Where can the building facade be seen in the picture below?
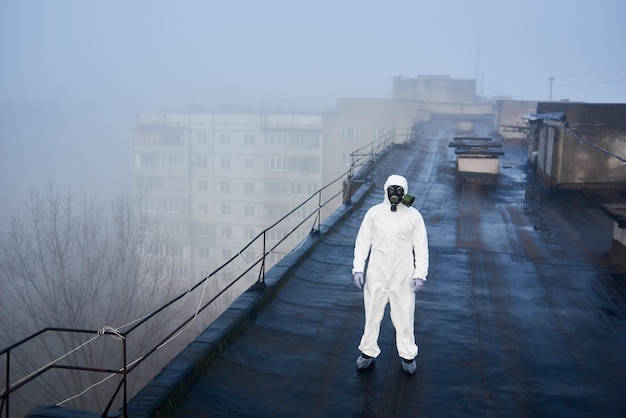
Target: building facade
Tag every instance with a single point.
(577, 144)
(215, 180)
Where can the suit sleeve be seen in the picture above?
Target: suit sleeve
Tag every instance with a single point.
(363, 243)
(420, 249)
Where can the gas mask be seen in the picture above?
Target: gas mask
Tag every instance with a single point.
(396, 195)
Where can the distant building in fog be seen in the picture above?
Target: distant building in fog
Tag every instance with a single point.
(216, 178)
(509, 117)
(427, 104)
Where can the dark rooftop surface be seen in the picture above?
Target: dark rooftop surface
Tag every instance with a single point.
(523, 313)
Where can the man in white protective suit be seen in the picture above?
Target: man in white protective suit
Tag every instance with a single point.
(393, 236)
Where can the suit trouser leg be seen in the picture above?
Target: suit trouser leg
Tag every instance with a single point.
(402, 311)
(374, 303)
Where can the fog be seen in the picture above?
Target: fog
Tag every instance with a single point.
(75, 73)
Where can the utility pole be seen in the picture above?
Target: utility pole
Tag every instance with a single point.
(477, 60)
(482, 83)
(551, 79)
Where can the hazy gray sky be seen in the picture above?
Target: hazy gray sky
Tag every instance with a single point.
(74, 73)
(282, 52)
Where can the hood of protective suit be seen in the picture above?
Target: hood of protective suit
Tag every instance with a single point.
(395, 180)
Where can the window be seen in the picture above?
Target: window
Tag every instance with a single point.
(225, 209)
(173, 184)
(303, 212)
(202, 138)
(276, 188)
(304, 165)
(175, 250)
(305, 140)
(379, 132)
(225, 163)
(147, 137)
(202, 162)
(276, 139)
(227, 232)
(248, 187)
(249, 163)
(249, 210)
(273, 258)
(175, 229)
(303, 189)
(204, 252)
(204, 230)
(279, 163)
(225, 187)
(250, 233)
(150, 160)
(172, 160)
(203, 208)
(224, 139)
(164, 205)
(350, 134)
(147, 183)
(276, 234)
(176, 206)
(203, 185)
(248, 140)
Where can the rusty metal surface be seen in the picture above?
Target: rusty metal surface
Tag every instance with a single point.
(523, 313)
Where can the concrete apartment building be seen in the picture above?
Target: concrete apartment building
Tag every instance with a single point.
(582, 146)
(433, 102)
(422, 105)
(216, 178)
(573, 145)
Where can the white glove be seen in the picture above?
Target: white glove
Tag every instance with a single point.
(417, 285)
(358, 279)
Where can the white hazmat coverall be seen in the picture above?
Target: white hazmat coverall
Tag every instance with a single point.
(397, 245)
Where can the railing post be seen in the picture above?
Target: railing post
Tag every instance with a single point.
(7, 383)
(347, 191)
(262, 276)
(124, 376)
(319, 211)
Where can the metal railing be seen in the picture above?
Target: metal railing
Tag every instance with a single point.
(363, 160)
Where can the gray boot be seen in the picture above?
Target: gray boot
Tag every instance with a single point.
(364, 362)
(409, 366)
